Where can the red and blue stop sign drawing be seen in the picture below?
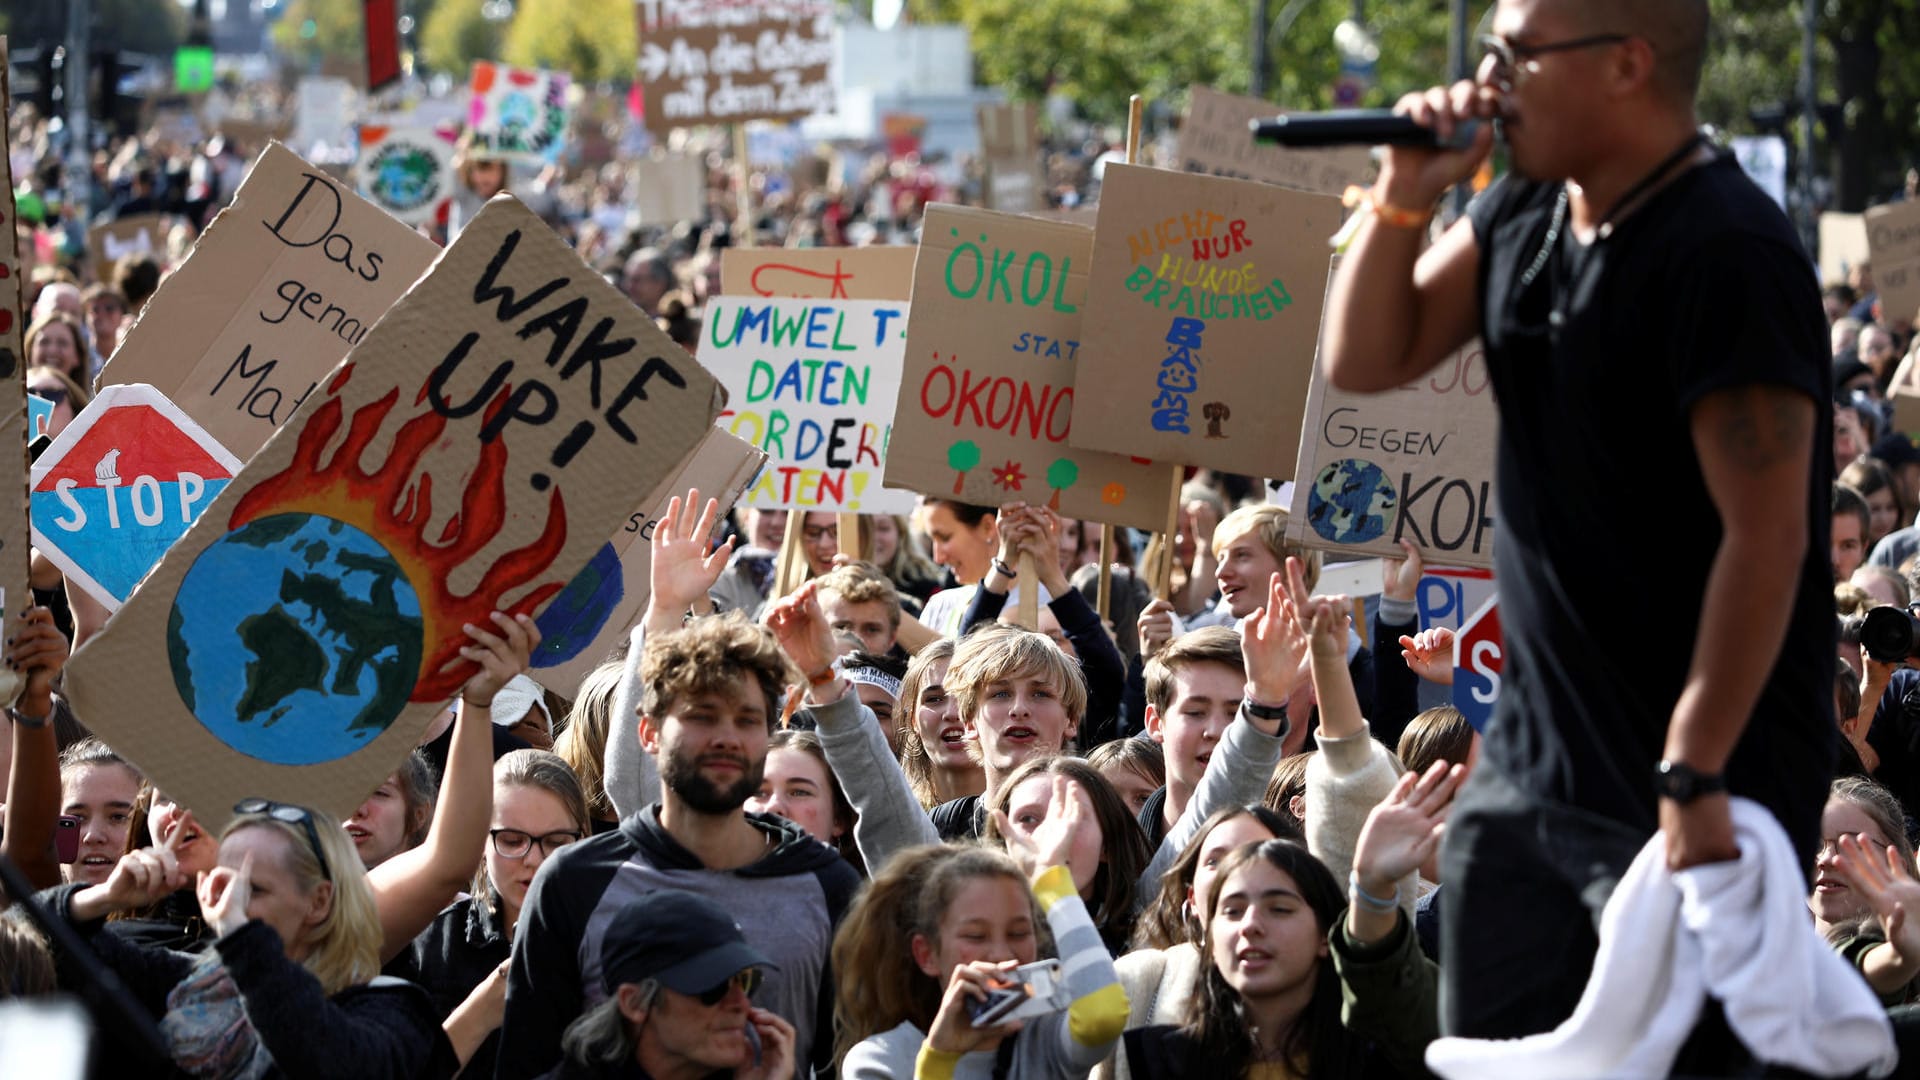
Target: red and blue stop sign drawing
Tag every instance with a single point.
(120, 485)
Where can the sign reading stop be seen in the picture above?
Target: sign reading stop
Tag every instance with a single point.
(1479, 655)
(119, 485)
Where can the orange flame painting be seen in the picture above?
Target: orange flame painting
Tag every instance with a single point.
(394, 506)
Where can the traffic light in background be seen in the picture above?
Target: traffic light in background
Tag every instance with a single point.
(117, 111)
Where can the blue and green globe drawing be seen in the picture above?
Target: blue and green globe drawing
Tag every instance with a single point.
(296, 639)
(1352, 502)
(581, 611)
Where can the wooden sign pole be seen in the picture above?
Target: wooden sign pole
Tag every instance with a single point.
(1103, 595)
(1028, 609)
(848, 527)
(791, 568)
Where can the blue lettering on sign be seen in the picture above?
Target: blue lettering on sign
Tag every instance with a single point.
(1179, 376)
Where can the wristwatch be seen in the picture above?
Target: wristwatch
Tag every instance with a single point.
(1683, 784)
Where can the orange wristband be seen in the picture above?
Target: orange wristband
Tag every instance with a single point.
(1398, 217)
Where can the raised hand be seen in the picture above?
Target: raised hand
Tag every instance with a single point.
(1887, 884)
(800, 626)
(1429, 654)
(1069, 808)
(683, 570)
(500, 655)
(225, 892)
(1404, 830)
(140, 878)
(1039, 539)
(39, 651)
(1155, 627)
(1401, 577)
(1275, 647)
(1324, 618)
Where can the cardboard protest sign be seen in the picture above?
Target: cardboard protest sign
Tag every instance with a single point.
(1893, 236)
(470, 455)
(120, 485)
(129, 237)
(15, 594)
(1215, 140)
(670, 187)
(1906, 409)
(707, 63)
(1843, 245)
(1413, 463)
(517, 113)
(1010, 149)
(599, 607)
(1203, 314)
(405, 170)
(812, 383)
(280, 285)
(987, 403)
(868, 273)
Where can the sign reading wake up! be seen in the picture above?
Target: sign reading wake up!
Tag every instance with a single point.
(469, 456)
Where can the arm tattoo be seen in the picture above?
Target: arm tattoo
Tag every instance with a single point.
(1760, 426)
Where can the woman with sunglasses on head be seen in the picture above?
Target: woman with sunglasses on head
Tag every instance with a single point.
(461, 960)
(290, 986)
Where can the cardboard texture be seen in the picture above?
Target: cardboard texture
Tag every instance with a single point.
(987, 403)
(1906, 411)
(1010, 148)
(1843, 245)
(15, 431)
(868, 273)
(1893, 236)
(670, 188)
(120, 485)
(812, 383)
(721, 467)
(1415, 463)
(141, 234)
(472, 454)
(280, 285)
(707, 63)
(1203, 314)
(517, 113)
(1215, 140)
(405, 170)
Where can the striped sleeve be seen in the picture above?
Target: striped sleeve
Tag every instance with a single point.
(1099, 1011)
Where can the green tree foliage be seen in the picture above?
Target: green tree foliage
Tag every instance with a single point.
(595, 40)
(454, 34)
(312, 31)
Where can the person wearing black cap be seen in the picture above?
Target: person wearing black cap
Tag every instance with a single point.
(679, 978)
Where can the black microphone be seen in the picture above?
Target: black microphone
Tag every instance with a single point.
(1359, 127)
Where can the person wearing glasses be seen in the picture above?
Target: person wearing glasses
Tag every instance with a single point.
(1651, 323)
(291, 986)
(679, 979)
(461, 960)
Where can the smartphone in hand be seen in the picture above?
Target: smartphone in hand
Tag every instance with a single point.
(1027, 991)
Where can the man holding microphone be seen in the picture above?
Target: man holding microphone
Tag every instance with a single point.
(1654, 333)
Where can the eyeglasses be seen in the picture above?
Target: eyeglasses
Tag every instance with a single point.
(291, 815)
(1512, 62)
(514, 844)
(55, 394)
(747, 979)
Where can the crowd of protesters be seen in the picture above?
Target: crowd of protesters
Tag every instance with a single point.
(873, 826)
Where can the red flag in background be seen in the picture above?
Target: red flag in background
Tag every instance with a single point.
(383, 42)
